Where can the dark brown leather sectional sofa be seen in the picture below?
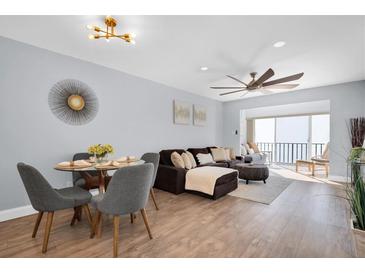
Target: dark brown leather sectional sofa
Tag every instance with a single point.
(172, 179)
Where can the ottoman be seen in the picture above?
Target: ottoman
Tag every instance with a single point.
(253, 172)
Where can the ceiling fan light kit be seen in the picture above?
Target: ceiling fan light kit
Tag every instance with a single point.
(261, 83)
(110, 23)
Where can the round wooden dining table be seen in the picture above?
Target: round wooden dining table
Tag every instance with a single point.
(101, 170)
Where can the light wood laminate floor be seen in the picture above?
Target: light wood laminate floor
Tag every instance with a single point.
(306, 220)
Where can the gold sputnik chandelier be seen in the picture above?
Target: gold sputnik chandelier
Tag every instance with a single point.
(110, 23)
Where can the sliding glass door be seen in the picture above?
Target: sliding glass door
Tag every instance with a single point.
(292, 137)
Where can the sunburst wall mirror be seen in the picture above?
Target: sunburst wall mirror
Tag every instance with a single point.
(73, 102)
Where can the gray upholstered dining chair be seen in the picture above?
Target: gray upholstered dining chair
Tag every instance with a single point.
(153, 158)
(91, 175)
(77, 179)
(127, 193)
(92, 182)
(44, 198)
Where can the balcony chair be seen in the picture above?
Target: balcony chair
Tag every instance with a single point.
(321, 160)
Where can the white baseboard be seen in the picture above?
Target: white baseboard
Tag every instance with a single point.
(17, 212)
(340, 179)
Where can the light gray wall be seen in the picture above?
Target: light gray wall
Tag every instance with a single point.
(135, 116)
(346, 101)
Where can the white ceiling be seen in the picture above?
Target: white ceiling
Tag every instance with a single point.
(171, 49)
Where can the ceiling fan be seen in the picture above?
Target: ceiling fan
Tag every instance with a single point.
(261, 83)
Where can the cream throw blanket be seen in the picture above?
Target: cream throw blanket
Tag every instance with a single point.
(203, 179)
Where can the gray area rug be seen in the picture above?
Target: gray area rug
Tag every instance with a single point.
(259, 192)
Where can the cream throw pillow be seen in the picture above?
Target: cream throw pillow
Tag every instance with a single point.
(228, 153)
(254, 147)
(186, 159)
(204, 158)
(177, 160)
(192, 160)
(232, 154)
(219, 154)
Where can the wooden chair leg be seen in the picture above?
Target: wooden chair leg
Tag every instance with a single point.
(47, 231)
(152, 193)
(88, 214)
(39, 218)
(296, 166)
(95, 223)
(313, 168)
(100, 227)
(144, 215)
(74, 217)
(79, 213)
(132, 218)
(116, 235)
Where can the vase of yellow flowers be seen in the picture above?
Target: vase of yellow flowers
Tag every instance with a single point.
(100, 151)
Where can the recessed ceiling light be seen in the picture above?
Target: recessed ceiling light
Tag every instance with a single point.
(279, 44)
(204, 68)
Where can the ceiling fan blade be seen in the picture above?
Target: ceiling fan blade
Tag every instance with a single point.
(265, 91)
(283, 80)
(267, 75)
(282, 86)
(226, 87)
(245, 93)
(230, 92)
(238, 80)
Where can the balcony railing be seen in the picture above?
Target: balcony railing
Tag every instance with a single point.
(288, 153)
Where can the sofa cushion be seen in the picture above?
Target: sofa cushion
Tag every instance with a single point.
(258, 158)
(233, 163)
(227, 151)
(251, 151)
(243, 150)
(220, 164)
(254, 147)
(210, 149)
(204, 158)
(187, 161)
(177, 160)
(165, 156)
(195, 151)
(219, 154)
(192, 159)
(232, 153)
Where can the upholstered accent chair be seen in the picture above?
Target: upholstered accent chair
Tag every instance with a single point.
(44, 198)
(127, 193)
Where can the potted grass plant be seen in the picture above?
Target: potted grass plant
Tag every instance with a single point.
(356, 190)
(356, 197)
